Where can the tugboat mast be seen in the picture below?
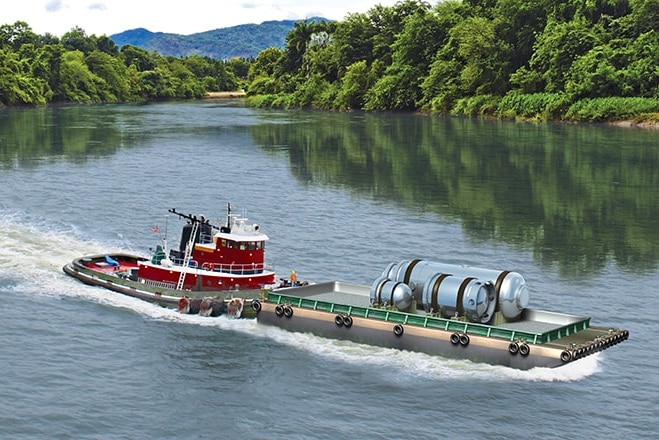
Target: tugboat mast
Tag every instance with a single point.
(228, 217)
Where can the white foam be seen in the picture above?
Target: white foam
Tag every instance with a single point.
(413, 364)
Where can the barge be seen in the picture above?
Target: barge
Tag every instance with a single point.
(440, 309)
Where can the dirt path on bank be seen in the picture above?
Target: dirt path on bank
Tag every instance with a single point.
(224, 95)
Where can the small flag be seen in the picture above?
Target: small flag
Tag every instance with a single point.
(155, 229)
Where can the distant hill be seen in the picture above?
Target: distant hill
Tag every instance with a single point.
(242, 41)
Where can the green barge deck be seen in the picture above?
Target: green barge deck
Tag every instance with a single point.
(534, 327)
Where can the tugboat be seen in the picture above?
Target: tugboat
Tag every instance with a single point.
(440, 309)
(211, 271)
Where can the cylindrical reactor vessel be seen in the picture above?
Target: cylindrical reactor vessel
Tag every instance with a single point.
(454, 296)
(510, 289)
(386, 292)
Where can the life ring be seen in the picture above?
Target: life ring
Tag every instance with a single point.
(455, 338)
(566, 356)
(513, 348)
(347, 321)
(206, 307)
(398, 330)
(524, 349)
(338, 320)
(464, 339)
(279, 310)
(184, 305)
(208, 266)
(288, 311)
(235, 308)
(256, 305)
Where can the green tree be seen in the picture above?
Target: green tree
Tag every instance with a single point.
(485, 57)
(640, 75)
(17, 84)
(389, 22)
(266, 64)
(320, 57)
(105, 44)
(354, 85)
(140, 58)
(16, 35)
(78, 83)
(297, 41)
(239, 67)
(354, 40)
(47, 67)
(77, 39)
(642, 18)
(519, 22)
(183, 83)
(593, 75)
(440, 86)
(413, 51)
(113, 73)
(559, 45)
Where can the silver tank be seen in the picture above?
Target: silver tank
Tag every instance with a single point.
(387, 292)
(454, 296)
(510, 289)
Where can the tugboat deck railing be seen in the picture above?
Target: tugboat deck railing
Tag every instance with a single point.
(231, 268)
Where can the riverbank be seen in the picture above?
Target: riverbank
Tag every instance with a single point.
(637, 123)
(225, 95)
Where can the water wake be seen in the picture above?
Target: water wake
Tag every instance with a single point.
(421, 365)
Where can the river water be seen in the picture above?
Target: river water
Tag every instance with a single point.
(572, 208)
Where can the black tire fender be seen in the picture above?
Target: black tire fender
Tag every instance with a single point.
(347, 321)
(524, 349)
(464, 339)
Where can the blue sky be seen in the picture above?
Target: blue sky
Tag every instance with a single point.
(172, 16)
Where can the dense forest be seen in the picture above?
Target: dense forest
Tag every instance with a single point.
(580, 60)
(547, 59)
(40, 69)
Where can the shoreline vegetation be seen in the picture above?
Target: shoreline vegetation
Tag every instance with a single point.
(526, 60)
(530, 60)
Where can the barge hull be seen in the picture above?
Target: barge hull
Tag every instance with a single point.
(413, 338)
